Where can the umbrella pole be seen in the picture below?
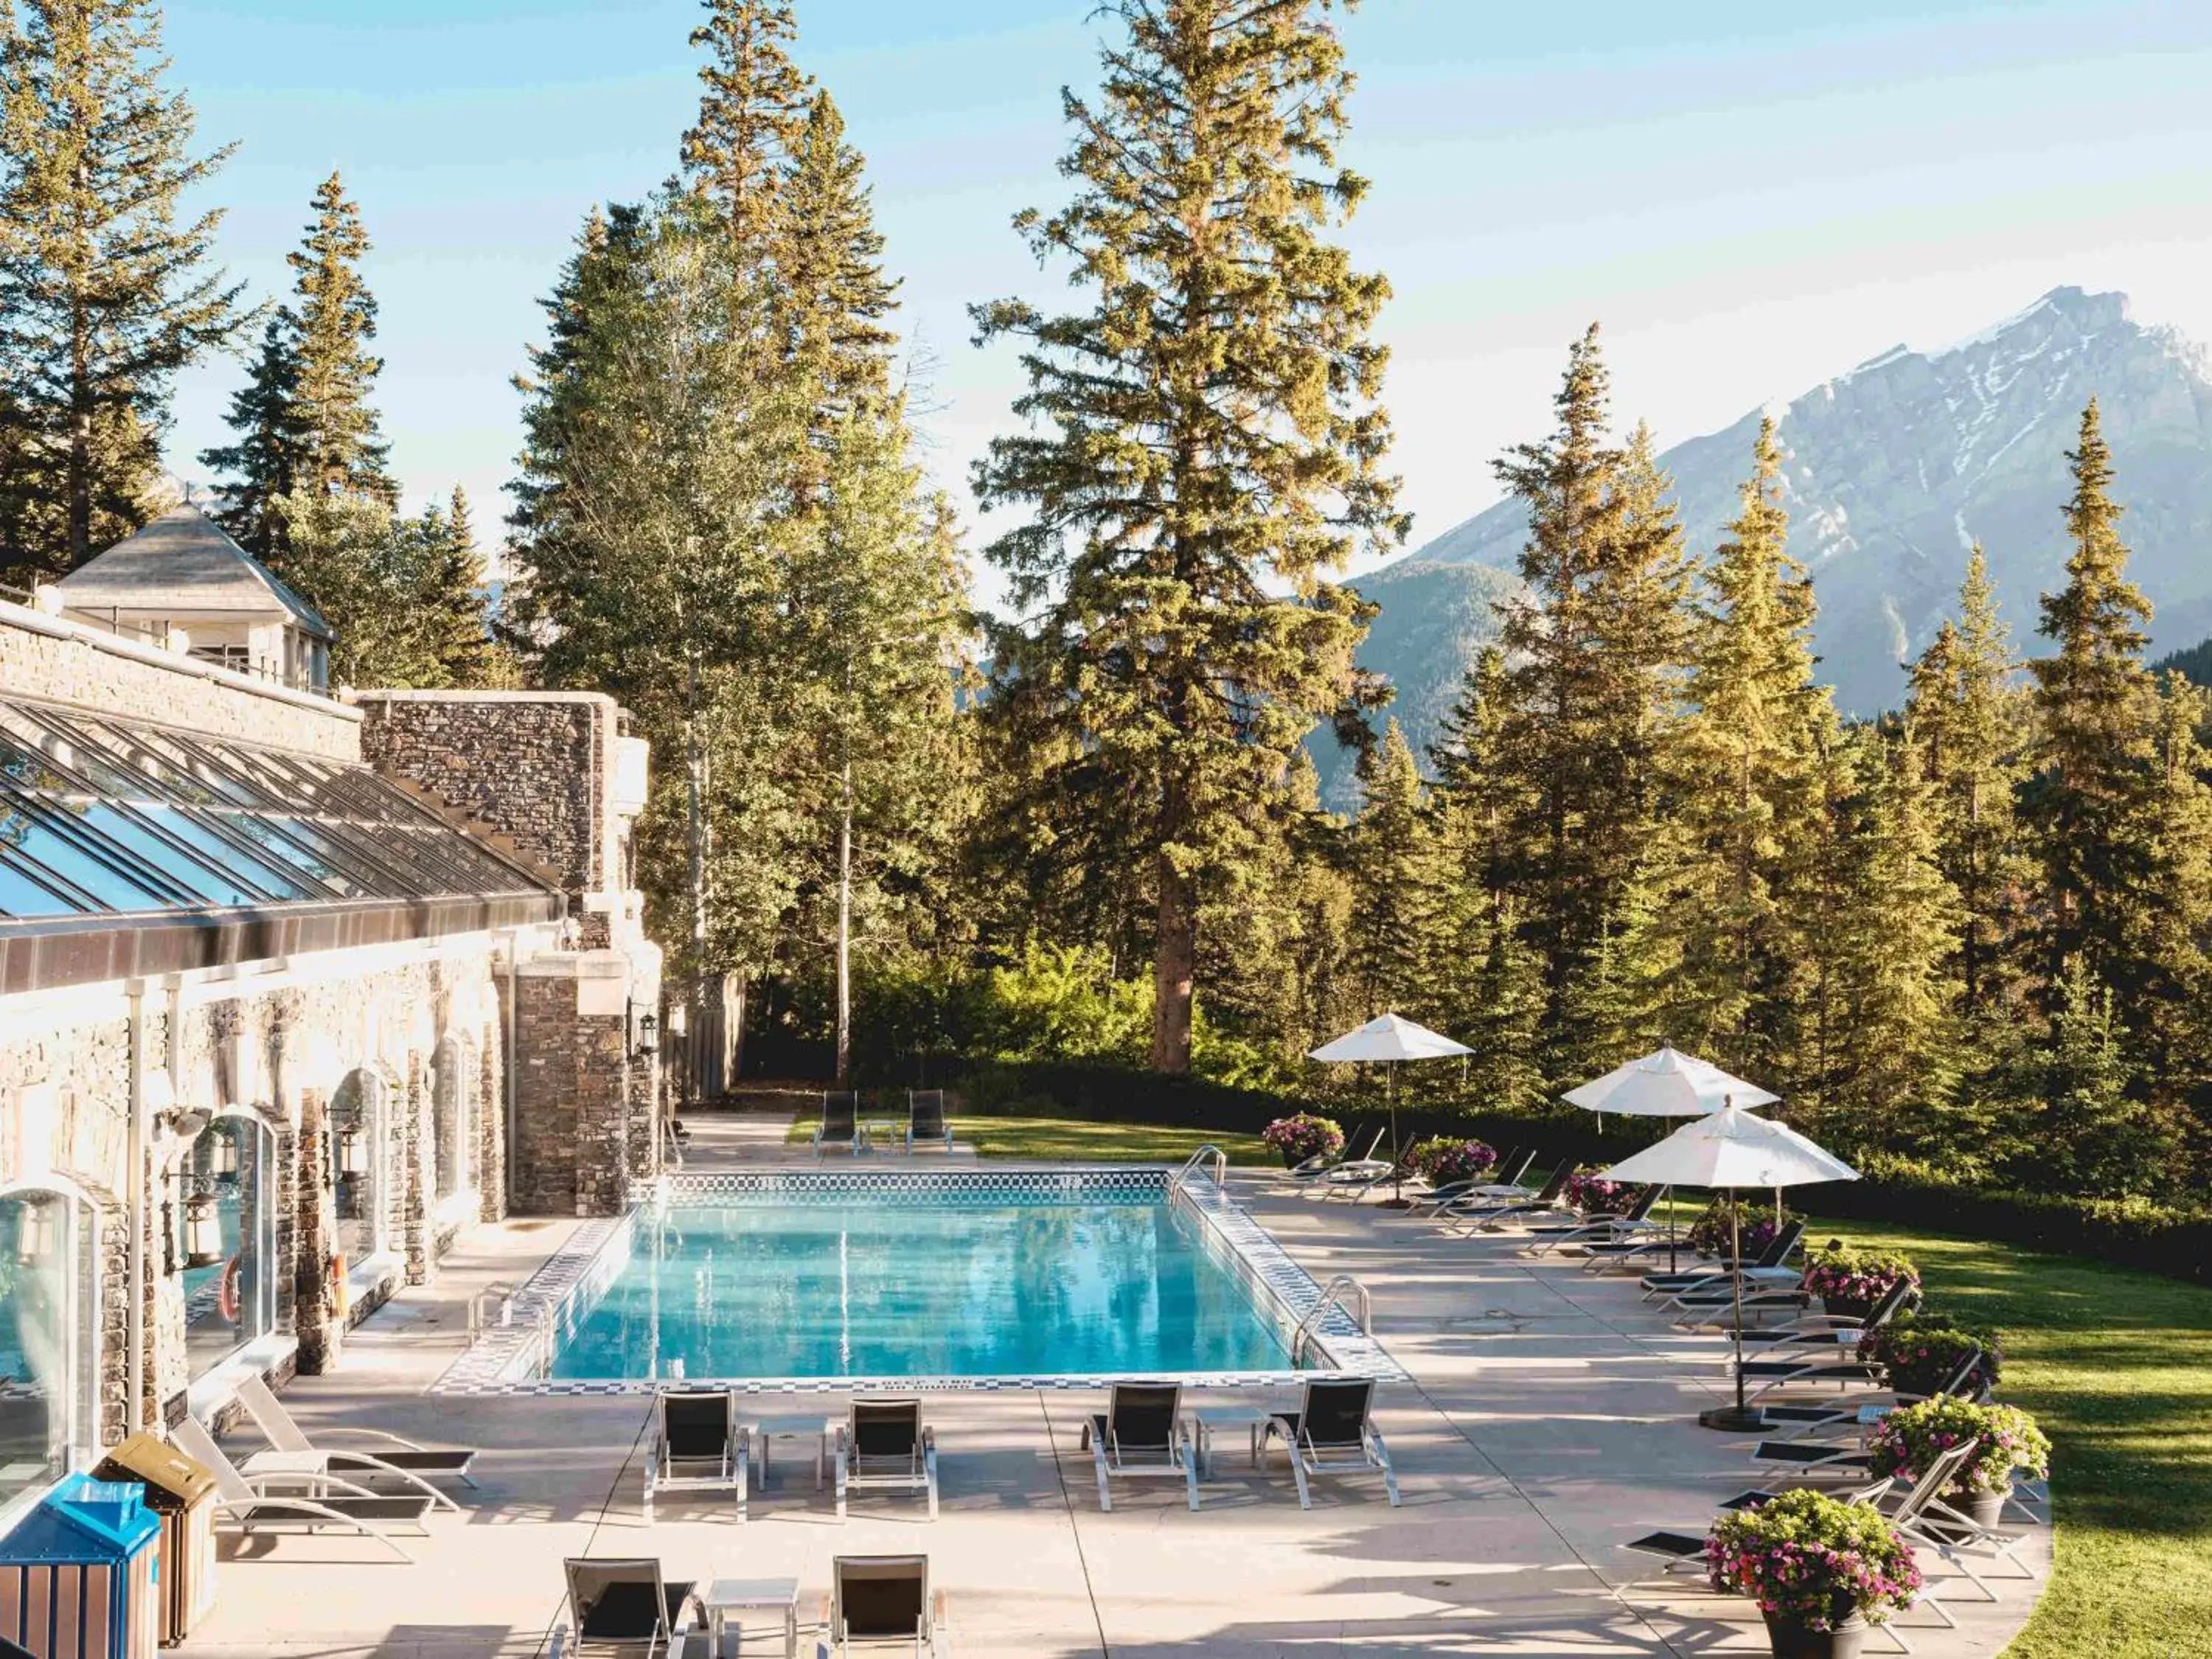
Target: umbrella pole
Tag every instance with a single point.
(1397, 1160)
(1743, 1416)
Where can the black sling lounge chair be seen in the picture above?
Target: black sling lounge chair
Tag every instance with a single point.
(841, 1122)
(622, 1609)
(884, 1445)
(1140, 1434)
(1334, 1432)
(926, 1122)
(698, 1446)
(884, 1602)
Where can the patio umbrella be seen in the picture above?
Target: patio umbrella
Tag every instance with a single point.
(1734, 1151)
(1388, 1039)
(1666, 1083)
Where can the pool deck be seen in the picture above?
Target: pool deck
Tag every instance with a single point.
(1551, 1418)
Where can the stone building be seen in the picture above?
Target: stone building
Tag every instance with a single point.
(292, 990)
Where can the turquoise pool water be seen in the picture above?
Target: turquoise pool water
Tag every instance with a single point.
(849, 1285)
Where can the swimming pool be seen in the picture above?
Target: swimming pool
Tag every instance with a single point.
(795, 1280)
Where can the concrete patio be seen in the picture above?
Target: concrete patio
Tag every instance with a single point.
(1551, 1418)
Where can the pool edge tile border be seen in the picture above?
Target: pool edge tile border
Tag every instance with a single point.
(500, 1361)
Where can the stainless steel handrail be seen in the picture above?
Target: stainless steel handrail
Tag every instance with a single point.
(1361, 1312)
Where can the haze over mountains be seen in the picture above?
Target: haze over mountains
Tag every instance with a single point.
(1894, 468)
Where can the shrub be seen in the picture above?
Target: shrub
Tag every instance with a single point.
(1709, 1233)
(1807, 1558)
(1842, 1276)
(1302, 1135)
(1911, 1438)
(1922, 1350)
(1444, 1158)
(1592, 1194)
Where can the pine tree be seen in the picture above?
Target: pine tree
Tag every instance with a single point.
(1210, 445)
(836, 296)
(104, 295)
(2094, 766)
(752, 119)
(1592, 646)
(2096, 1137)
(333, 373)
(1965, 721)
(1393, 901)
(449, 598)
(270, 458)
(1747, 787)
(2169, 1016)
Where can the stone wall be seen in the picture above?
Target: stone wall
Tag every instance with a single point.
(57, 660)
(583, 1102)
(534, 765)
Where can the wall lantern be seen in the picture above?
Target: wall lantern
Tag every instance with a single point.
(202, 1232)
(222, 1153)
(38, 1231)
(648, 1035)
(349, 1161)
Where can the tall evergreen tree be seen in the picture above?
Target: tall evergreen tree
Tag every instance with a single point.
(837, 297)
(1211, 445)
(334, 374)
(1390, 857)
(2094, 760)
(270, 458)
(752, 117)
(103, 295)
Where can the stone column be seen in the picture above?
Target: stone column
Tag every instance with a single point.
(417, 1184)
(317, 1295)
(572, 1152)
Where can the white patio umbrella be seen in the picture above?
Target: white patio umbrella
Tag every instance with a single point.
(1388, 1039)
(1667, 1083)
(1733, 1152)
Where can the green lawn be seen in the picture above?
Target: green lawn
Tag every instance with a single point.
(2116, 1366)
(1051, 1138)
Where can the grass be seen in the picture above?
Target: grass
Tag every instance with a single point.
(1052, 1139)
(2116, 1365)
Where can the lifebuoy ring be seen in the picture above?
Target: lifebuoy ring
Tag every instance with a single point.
(226, 1296)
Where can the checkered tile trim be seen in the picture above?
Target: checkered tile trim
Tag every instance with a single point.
(513, 1358)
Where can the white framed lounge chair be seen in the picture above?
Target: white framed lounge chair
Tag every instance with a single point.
(395, 1461)
(840, 1127)
(1578, 1234)
(926, 1122)
(698, 1445)
(884, 1445)
(883, 1603)
(622, 1608)
(1140, 1434)
(1333, 1432)
(339, 1504)
(1323, 1165)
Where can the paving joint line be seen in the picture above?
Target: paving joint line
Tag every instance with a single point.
(1074, 1527)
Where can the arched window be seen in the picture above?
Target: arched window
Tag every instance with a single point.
(449, 1113)
(49, 1335)
(359, 1159)
(225, 1237)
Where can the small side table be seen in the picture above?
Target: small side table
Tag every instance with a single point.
(724, 1596)
(1212, 1420)
(892, 1129)
(310, 1469)
(790, 1427)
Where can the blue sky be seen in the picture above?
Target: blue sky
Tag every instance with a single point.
(1750, 198)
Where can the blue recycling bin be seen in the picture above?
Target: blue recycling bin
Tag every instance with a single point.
(78, 1574)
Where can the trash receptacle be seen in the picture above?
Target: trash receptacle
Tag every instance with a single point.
(182, 1493)
(79, 1574)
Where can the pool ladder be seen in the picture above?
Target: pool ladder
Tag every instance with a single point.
(1333, 1294)
(1209, 1152)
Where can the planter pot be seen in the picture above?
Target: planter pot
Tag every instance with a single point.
(1291, 1159)
(1847, 1307)
(1790, 1640)
(1983, 1508)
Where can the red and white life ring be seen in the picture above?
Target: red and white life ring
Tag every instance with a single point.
(226, 1300)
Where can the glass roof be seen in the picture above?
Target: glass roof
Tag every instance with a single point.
(109, 816)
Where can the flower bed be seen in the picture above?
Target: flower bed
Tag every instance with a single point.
(1922, 1352)
(1302, 1135)
(1813, 1562)
(1709, 1233)
(1851, 1282)
(1443, 1160)
(1911, 1438)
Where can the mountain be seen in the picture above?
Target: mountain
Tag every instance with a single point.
(1894, 469)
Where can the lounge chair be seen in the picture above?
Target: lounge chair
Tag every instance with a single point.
(884, 1445)
(884, 1600)
(698, 1446)
(1770, 1266)
(1686, 1551)
(395, 1461)
(1854, 1410)
(622, 1609)
(1501, 1186)
(1546, 1208)
(1140, 1434)
(1957, 1537)
(926, 1122)
(247, 1505)
(1592, 1229)
(1333, 1432)
(1323, 1165)
(841, 1122)
(1834, 1333)
(1466, 1210)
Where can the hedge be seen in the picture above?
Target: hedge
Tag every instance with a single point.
(2174, 1243)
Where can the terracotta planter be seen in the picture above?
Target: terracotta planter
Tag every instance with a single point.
(1790, 1640)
